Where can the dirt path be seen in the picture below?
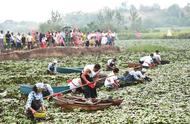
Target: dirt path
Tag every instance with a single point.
(56, 52)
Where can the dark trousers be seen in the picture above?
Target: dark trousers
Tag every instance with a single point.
(88, 91)
(36, 105)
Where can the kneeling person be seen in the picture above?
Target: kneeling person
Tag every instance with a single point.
(112, 81)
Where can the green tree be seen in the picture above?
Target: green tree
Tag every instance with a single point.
(175, 11)
(55, 23)
(136, 21)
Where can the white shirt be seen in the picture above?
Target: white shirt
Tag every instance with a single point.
(29, 38)
(144, 58)
(55, 67)
(104, 40)
(1, 36)
(110, 61)
(91, 68)
(137, 74)
(157, 57)
(147, 60)
(89, 36)
(19, 37)
(110, 80)
(75, 83)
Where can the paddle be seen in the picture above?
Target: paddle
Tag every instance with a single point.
(56, 94)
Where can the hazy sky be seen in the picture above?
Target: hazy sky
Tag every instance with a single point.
(39, 10)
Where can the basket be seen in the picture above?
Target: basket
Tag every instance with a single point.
(40, 114)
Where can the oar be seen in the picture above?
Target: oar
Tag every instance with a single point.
(55, 94)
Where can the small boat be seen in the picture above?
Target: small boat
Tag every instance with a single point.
(135, 65)
(71, 102)
(68, 70)
(26, 89)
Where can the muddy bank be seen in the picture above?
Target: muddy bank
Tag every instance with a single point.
(55, 52)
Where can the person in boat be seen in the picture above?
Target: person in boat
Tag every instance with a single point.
(90, 76)
(111, 64)
(146, 61)
(112, 81)
(136, 75)
(52, 67)
(35, 101)
(157, 57)
(75, 85)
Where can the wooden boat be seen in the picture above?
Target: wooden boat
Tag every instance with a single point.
(26, 89)
(135, 65)
(68, 70)
(70, 103)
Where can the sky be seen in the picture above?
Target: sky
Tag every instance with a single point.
(39, 10)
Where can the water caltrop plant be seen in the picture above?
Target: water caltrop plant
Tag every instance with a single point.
(164, 100)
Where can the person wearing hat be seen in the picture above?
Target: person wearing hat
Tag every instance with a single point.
(136, 75)
(35, 101)
(52, 67)
(111, 64)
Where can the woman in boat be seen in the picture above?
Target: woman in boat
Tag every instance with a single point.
(112, 81)
(35, 101)
(90, 76)
(52, 67)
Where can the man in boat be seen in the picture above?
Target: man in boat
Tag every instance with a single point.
(136, 75)
(35, 101)
(111, 64)
(75, 85)
(112, 81)
(147, 61)
(89, 78)
(156, 57)
(52, 67)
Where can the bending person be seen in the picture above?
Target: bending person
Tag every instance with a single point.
(35, 101)
(90, 76)
(112, 81)
(52, 67)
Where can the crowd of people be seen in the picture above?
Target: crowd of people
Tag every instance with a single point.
(10, 40)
